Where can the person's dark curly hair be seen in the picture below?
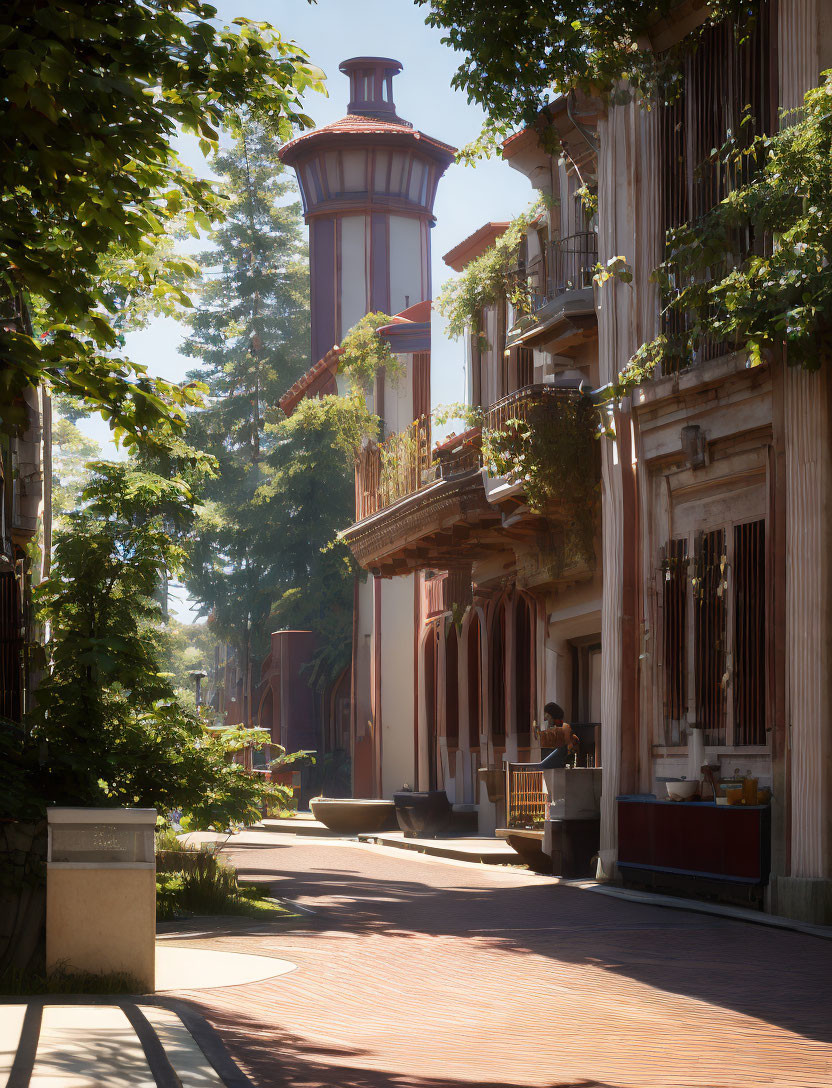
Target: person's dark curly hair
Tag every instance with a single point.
(555, 710)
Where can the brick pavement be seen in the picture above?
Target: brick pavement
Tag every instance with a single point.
(420, 973)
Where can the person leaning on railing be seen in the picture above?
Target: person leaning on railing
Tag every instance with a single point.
(555, 729)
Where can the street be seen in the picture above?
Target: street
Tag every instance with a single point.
(417, 972)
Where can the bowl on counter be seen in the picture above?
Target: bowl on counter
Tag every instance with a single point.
(682, 789)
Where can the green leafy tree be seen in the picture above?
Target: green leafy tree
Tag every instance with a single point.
(250, 332)
(519, 54)
(107, 718)
(309, 496)
(94, 96)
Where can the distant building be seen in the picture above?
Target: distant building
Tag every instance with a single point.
(368, 184)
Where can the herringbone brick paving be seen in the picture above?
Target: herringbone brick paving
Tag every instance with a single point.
(421, 973)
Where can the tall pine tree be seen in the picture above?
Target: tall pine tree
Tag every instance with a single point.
(250, 333)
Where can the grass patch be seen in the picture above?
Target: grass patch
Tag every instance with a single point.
(15, 983)
(199, 881)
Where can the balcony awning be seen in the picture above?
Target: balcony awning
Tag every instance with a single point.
(560, 325)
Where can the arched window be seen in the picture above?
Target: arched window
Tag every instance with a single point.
(452, 687)
(474, 682)
(523, 673)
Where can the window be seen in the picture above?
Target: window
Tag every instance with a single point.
(712, 668)
(728, 73)
(525, 367)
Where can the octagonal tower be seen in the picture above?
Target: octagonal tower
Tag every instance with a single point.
(368, 184)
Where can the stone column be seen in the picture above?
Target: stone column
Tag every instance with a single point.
(627, 315)
(807, 890)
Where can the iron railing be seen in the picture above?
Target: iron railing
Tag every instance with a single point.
(572, 262)
(523, 402)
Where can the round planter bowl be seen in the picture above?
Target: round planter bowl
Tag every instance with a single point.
(683, 790)
(424, 814)
(353, 815)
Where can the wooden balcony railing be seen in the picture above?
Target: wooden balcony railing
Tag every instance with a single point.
(404, 463)
(522, 403)
(388, 471)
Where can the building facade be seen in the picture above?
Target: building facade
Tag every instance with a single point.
(368, 184)
(698, 633)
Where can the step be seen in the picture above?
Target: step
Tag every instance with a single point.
(296, 825)
(475, 848)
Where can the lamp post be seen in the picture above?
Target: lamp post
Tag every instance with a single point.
(198, 676)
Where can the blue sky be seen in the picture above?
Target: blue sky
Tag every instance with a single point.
(331, 31)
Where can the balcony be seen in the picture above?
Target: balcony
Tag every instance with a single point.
(421, 509)
(572, 262)
(563, 319)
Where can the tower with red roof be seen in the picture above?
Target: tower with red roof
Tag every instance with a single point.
(368, 184)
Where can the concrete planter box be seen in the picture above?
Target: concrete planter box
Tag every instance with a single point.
(354, 815)
(528, 845)
(574, 793)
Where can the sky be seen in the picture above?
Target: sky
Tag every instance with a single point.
(331, 31)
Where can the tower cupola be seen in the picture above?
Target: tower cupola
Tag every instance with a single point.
(371, 86)
(368, 184)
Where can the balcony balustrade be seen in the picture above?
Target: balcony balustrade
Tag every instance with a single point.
(404, 463)
(390, 470)
(572, 262)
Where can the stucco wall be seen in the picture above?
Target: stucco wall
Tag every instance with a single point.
(102, 921)
(397, 683)
(407, 263)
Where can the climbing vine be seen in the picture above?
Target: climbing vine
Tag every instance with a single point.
(778, 296)
(554, 452)
(487, 279)
(365, 352)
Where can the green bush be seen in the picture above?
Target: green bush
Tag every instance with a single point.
(64, 981)
(198, 881)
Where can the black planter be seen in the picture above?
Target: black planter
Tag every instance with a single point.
(422, 815)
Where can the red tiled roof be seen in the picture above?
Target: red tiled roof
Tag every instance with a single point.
(474, 245)
(418, 313)
(355, 124)
(318, 380)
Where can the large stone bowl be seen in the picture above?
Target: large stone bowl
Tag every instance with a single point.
(422, 814)
(354, 815)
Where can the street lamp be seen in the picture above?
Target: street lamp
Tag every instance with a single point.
(198, 676)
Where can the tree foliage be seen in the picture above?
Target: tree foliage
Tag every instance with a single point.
(781, 292)
(519, 55)
(107, 723)
(250, 333)
(94, 95)
(310, 496)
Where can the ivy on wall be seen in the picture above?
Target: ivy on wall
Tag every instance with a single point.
(777, 298)
(554, 452)
(365, 352)
(488, 279)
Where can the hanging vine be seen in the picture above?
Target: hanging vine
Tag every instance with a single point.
(488, 279)
(780, 295)
(553, 451)
(365, 353)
